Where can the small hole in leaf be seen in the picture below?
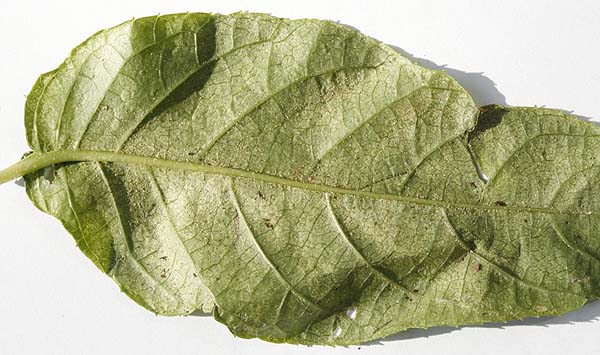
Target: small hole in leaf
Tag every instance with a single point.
(337, 332)
(351, 313)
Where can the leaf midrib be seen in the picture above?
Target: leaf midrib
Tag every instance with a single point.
(39, 161)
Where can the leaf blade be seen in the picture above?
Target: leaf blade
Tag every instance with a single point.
(362, 170)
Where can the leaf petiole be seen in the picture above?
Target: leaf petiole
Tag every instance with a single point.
(26, 166)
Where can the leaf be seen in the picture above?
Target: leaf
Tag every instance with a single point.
(307, 183)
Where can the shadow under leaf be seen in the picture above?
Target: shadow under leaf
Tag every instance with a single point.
(480, 87)
(590, 312)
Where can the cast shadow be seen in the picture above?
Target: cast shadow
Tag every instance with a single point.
(590, 312)
(480, 87)
(572, 113)
(200, 313)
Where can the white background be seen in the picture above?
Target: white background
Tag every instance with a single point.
(54, 301)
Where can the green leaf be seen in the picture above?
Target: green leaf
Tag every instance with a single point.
(309, 184)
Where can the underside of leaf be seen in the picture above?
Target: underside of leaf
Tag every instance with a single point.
(309, 184)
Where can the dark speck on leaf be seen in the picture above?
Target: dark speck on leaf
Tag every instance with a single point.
(268, 223)
(163, 258)
(261, 195)
(501, 203)
(477, 267)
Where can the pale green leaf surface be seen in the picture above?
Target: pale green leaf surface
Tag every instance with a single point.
(309, 184)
